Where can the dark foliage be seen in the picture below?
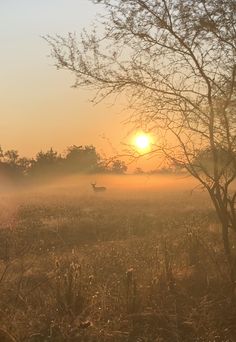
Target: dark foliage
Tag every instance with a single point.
(77, 159)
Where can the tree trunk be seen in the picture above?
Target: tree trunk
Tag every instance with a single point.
(229, 256)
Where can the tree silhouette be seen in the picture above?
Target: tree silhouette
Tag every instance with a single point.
(46, 164)
(11, 156)
(82, 159)
(176, 62)
(118, 166)
(10, 164)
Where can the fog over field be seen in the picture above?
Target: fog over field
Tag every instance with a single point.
(156, 190)
(86, 266)
(81, 184)
(117, 187)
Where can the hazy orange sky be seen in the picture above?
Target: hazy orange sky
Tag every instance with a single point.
(39, 109)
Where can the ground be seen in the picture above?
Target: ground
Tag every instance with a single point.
(125, 265)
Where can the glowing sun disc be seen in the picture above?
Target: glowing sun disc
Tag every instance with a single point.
(142, 141)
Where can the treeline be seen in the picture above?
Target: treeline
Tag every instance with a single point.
(76, 159)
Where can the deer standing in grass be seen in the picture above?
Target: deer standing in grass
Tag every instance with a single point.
(98, 188)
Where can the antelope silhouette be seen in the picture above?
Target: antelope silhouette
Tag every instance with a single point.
(98, 188)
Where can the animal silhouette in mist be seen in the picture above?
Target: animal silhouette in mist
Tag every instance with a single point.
(98, 188)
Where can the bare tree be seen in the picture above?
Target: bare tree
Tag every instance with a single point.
(175, 60)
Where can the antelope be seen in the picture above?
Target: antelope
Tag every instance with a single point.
(98, 188)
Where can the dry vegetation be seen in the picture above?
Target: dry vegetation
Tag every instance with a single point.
(122, 266)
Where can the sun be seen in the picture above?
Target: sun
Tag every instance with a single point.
(142, 141)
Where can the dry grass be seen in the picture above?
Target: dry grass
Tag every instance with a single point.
(111, 268)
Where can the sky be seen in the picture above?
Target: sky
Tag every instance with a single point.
(38, 107)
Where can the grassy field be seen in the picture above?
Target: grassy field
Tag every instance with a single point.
(142, 262)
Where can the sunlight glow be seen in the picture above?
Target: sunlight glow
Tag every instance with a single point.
(142, 141)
